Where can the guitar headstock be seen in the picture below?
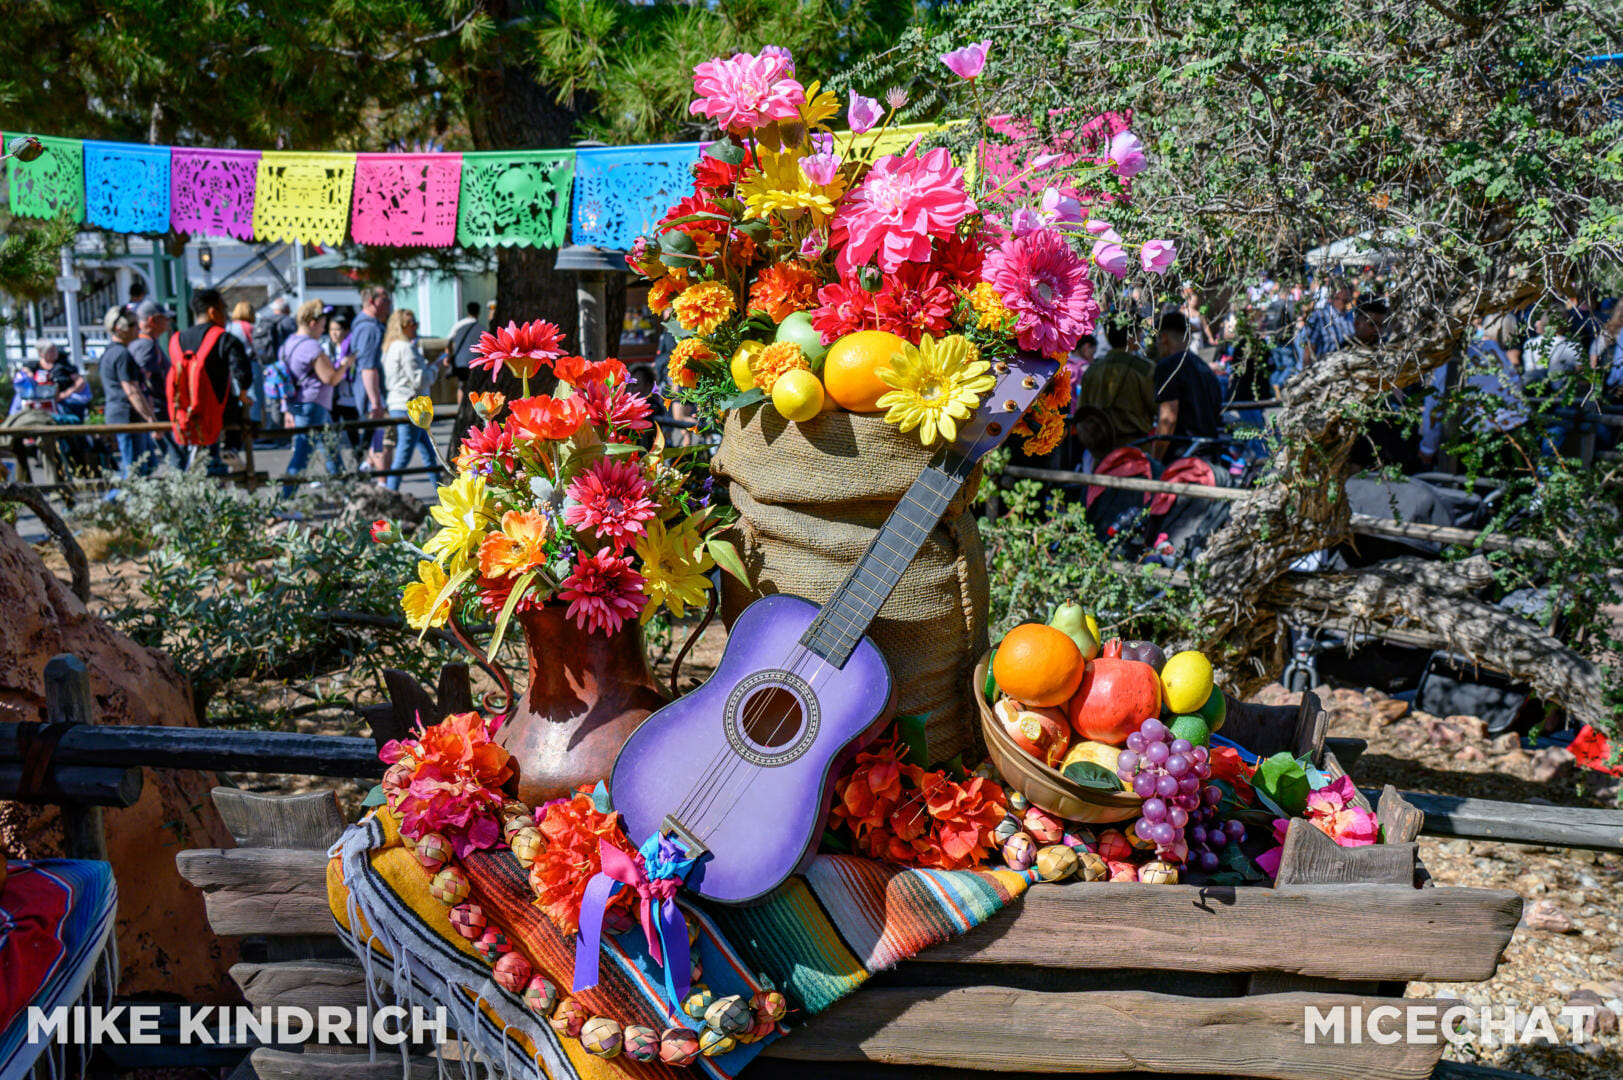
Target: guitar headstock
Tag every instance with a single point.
(1021, 380)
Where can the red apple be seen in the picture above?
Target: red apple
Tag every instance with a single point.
(1115, 697)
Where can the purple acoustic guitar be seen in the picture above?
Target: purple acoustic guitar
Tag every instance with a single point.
(741, 770)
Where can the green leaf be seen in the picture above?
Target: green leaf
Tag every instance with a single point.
(1091, 774)
(506, 615)
(726, 556)
(620, 449)
(1283, 779)
(688, 219)
(452, 584)
(727, 152)
(1238, 862)
(910, 729)
(749, 397)
(374, 797)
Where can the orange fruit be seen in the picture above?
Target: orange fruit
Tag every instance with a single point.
(848, 369)
(1038, 665)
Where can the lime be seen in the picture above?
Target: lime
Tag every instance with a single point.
(1186, 681)
(990, 689)
(798, 395)
(1193, 728)
(1215, 711)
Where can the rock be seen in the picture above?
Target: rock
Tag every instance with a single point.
(160, 948)
(1390, 710)
(1471, 753)
(1473, 726)
(1276, 694)
(1442, 733)
(366, 503)
(1505, 743)
(1550, 763)
(1547, 916)
(1602, 1022)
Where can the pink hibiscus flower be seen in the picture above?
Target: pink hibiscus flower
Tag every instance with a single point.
(1046, 285)
(611, 499)
(746, 92)
(603, 592)
(905, 201)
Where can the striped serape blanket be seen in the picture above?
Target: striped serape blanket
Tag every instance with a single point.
(56, 926)
(817, 938)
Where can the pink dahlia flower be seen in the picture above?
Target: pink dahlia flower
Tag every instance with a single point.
(1043, 282)
(1126, 155)
(905, 201)
(603, 592)
(1157, 255)
(862, 113)
(969, 61)
(611, 499)
(746, 92)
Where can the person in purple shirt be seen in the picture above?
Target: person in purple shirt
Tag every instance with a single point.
(314, 377)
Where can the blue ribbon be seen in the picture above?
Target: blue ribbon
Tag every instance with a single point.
(656, 876)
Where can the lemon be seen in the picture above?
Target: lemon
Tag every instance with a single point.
(1101, 754)
(797, 395)
(743, 374)
(1093, 626)
(1186, 681)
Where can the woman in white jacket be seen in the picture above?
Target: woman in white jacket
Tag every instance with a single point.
(406, 374)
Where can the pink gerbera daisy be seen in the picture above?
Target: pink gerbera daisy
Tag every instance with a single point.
(905, 201)
(603, 592)
(1045, 284)
(610, 498)
(522, 348)
(616, 409)
(484, 445)
(746, 92)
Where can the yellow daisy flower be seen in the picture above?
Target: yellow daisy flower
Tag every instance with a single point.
(674, 565)
(775, 360)
(934, 386)
(703, 307)
(465, 516)
(780, 187)
(820, 107)
(416, 597)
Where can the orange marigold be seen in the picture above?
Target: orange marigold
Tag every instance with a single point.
(662, 292)
(776, 359)
(572, 829)
(703, 307)
(1058, 394)
(992, 313)
(1048, 436)
(784, 288)
(689, 353)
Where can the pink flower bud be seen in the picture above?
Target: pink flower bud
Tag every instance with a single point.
(862, 113)
(967, 62)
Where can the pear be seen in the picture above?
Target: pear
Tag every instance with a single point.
(1072, 621)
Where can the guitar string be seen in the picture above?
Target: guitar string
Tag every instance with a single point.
(930, 472)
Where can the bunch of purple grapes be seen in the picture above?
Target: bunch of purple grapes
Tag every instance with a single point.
(1179, 813)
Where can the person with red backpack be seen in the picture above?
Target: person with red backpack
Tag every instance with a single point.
(210, 374)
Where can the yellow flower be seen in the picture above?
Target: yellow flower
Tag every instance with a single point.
(417, 597)
(690, 354)
(674, 565)
(775, 360)
(994, 315)
(420, 411)
(702, 307)
(820, 106)
(934, 386)
(780, 187)
(465, 516)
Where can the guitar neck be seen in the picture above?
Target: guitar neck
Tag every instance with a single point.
(848, 613)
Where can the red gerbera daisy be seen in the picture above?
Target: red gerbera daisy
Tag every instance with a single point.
(611, 498)
(603, 592)
(844, 307)
(483, 445)
(522, 348)
(915, 301)
(960, 259)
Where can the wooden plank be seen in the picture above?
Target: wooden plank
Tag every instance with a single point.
(210, 749)
(1001, 1029)
(1520, 823)
(309, 819)
(1312, 858)
(260, 890)
(282, 1065)
(78, 789)
(1358, 931)
(1401, 821)
(306, 984)
(67, 701)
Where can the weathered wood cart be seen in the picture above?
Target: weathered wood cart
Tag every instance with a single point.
(1080, 978)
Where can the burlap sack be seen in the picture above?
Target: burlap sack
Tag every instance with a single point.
(810, 498)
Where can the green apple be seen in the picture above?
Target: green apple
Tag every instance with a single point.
(797, 327)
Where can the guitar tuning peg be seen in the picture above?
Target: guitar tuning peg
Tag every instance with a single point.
(1010, 406)
(994, 429)
(1029, 382)
(1001, 367)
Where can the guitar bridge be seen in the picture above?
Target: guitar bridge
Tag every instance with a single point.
(673, 827)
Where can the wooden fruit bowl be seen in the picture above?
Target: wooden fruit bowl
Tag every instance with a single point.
(1046, 787)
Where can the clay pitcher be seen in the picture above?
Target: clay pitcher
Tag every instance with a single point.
(587, 693)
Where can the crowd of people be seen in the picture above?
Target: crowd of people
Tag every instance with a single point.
(285, 370)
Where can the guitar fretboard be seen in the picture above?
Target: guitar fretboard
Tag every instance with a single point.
(846, 616)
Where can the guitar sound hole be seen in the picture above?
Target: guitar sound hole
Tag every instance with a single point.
(771, 717)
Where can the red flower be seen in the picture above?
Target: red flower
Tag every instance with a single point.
(616, 409)
(905, 814)
(844, 308)
(483, 445)
(960, 259)
(384, 531)
(914, 301)
(522, 348)
(689, 205)
(713, 176)
(603, 591)
(546, 418)
(454, 782)
(572, 830)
